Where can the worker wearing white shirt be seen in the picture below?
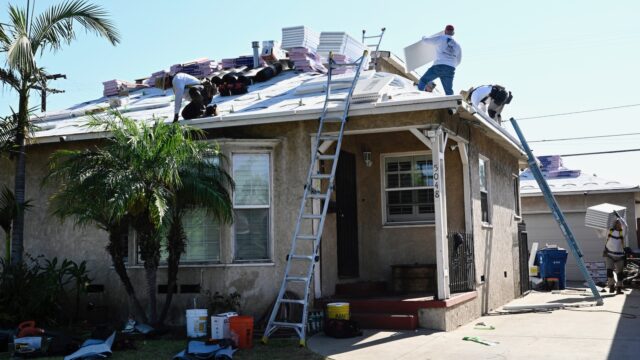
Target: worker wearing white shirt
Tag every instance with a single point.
(179, 82)
(490, 99)
(614, 255)
(448, 56)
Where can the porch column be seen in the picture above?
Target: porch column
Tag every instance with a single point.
(439, 140)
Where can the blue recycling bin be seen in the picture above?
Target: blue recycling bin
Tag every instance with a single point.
(551, 263)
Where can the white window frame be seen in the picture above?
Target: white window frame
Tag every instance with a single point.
(487, 174)
(383, 190)
(517, 212)
(232, 238)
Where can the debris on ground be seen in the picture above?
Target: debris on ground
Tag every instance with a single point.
(480, 341)
(483, 326)
(94, 348)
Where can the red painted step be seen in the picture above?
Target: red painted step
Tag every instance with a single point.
(386, 321)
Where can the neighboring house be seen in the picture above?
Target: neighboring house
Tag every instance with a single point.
(397, 201)
(575, 192)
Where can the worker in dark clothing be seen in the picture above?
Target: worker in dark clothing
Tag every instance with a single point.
(615, 249)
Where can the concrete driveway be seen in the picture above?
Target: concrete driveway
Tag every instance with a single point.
(611, 331)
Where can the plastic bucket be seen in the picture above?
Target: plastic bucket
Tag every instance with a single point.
(196, 323)
(338, 311)
(242, 331)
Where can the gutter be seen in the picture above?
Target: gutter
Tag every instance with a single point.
(257, 118)
(587, 192)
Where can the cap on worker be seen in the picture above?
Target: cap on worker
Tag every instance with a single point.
(449, 28)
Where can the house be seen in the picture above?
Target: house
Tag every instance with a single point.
(415, 169)
(574, 191)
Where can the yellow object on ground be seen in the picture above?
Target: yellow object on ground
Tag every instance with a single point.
(338, 311)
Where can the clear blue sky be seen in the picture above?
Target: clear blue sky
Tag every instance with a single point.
(555, 56)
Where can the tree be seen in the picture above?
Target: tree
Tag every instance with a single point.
(150, 174)
(21, 40)
(9, 210)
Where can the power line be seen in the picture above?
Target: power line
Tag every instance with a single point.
(600, 152)
(578, 112)
(583, 137)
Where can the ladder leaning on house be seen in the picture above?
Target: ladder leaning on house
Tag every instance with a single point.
(303, 258)
(557, 213)
(373, 47)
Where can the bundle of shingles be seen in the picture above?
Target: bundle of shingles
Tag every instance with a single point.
(199, 68)
(244, 60)
(151, 81)
(345, 49)
(302, 44)
(119, 87)
(553, 168)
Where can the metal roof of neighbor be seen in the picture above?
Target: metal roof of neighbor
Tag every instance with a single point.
(578, 185)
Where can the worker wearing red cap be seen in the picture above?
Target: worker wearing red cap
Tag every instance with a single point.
(448, 56)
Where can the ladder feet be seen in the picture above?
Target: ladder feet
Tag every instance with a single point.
(302, 343)
(264, 340)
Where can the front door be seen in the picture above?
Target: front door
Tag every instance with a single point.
(347, 216)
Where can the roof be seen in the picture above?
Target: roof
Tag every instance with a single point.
(563, 181)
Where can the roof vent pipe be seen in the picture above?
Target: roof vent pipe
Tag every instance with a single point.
(256, 54)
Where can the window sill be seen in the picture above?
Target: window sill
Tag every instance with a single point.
(407, 225)
(210, 265)
(487, 225)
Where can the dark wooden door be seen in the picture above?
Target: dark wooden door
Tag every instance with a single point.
(347, 216)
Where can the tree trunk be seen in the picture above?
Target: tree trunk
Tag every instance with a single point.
(117, 257)
(150, 253)
(17, 239)
(150, 272)
(176, 243)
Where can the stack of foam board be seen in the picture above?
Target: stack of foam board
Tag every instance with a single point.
(603, 216)
(272, 51)
(341, 43)
(304, 59)
(114, 87)
(369, 90)
(299, 36)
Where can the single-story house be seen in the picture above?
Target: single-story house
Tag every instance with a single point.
(415, 169)
(574, 191)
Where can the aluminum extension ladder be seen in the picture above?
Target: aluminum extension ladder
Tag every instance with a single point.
(374, 47)
(303, 258)
(557, 213)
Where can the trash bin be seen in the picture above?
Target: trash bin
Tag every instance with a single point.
(551, 261)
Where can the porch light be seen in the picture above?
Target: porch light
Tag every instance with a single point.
(366, 155)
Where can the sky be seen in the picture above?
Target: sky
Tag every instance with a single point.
(554, 56)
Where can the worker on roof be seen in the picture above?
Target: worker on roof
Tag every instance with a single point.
(448, 56)
(489, 98)
(615, 249)
(179, 82)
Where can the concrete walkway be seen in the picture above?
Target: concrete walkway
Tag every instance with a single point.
(600, 332)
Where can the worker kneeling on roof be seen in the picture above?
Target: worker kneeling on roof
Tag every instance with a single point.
(491, 99)
(196, 94)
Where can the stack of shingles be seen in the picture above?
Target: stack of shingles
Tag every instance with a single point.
(228, 63)
(302, 44)
(151, 81)
(344, 47)
(115, 87)
(553, 168)
(198, 68)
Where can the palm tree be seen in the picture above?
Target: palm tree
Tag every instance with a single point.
(150, 174)
(22, 39)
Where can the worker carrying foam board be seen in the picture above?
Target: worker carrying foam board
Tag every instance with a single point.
(615, 249)
(447, 57)
(196, 93)
(489, 98)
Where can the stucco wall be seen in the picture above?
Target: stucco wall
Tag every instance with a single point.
(258, 283)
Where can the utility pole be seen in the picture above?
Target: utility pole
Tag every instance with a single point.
(44, 90)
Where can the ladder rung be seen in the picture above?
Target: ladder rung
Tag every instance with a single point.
(336, 65)
(287, 324)
(306, 237)
(341, 81)
(302, 257)
(312, 216)
(372, 45)
(317, 196)
(297, 278)
(327, 157)
(328, 137)
(336, 99)
(321, 176)
(292, 301)
(332, 119)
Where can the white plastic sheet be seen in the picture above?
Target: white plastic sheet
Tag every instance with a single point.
(419, 54)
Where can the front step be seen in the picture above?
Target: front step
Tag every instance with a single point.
(386, 321)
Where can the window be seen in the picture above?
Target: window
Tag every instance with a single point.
(516, 194)
(203, 237)
(408, 187)
(251, 203)
(484, 189)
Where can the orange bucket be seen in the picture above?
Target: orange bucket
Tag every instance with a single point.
(242, 328)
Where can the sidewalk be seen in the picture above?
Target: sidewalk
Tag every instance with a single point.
(598, 332)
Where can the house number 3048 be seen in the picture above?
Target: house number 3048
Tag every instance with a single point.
(436, 177)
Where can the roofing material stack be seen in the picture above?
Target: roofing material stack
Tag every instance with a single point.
(340, 43)
(300, 36)
(115, 87)
(602, 216)
(304, 59)
(228, 63)
(151, 81)
(199, 68)
(272, 51)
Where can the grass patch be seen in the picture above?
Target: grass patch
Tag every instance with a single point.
(166, 349)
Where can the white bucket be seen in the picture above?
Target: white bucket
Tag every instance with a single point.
(196, 323)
